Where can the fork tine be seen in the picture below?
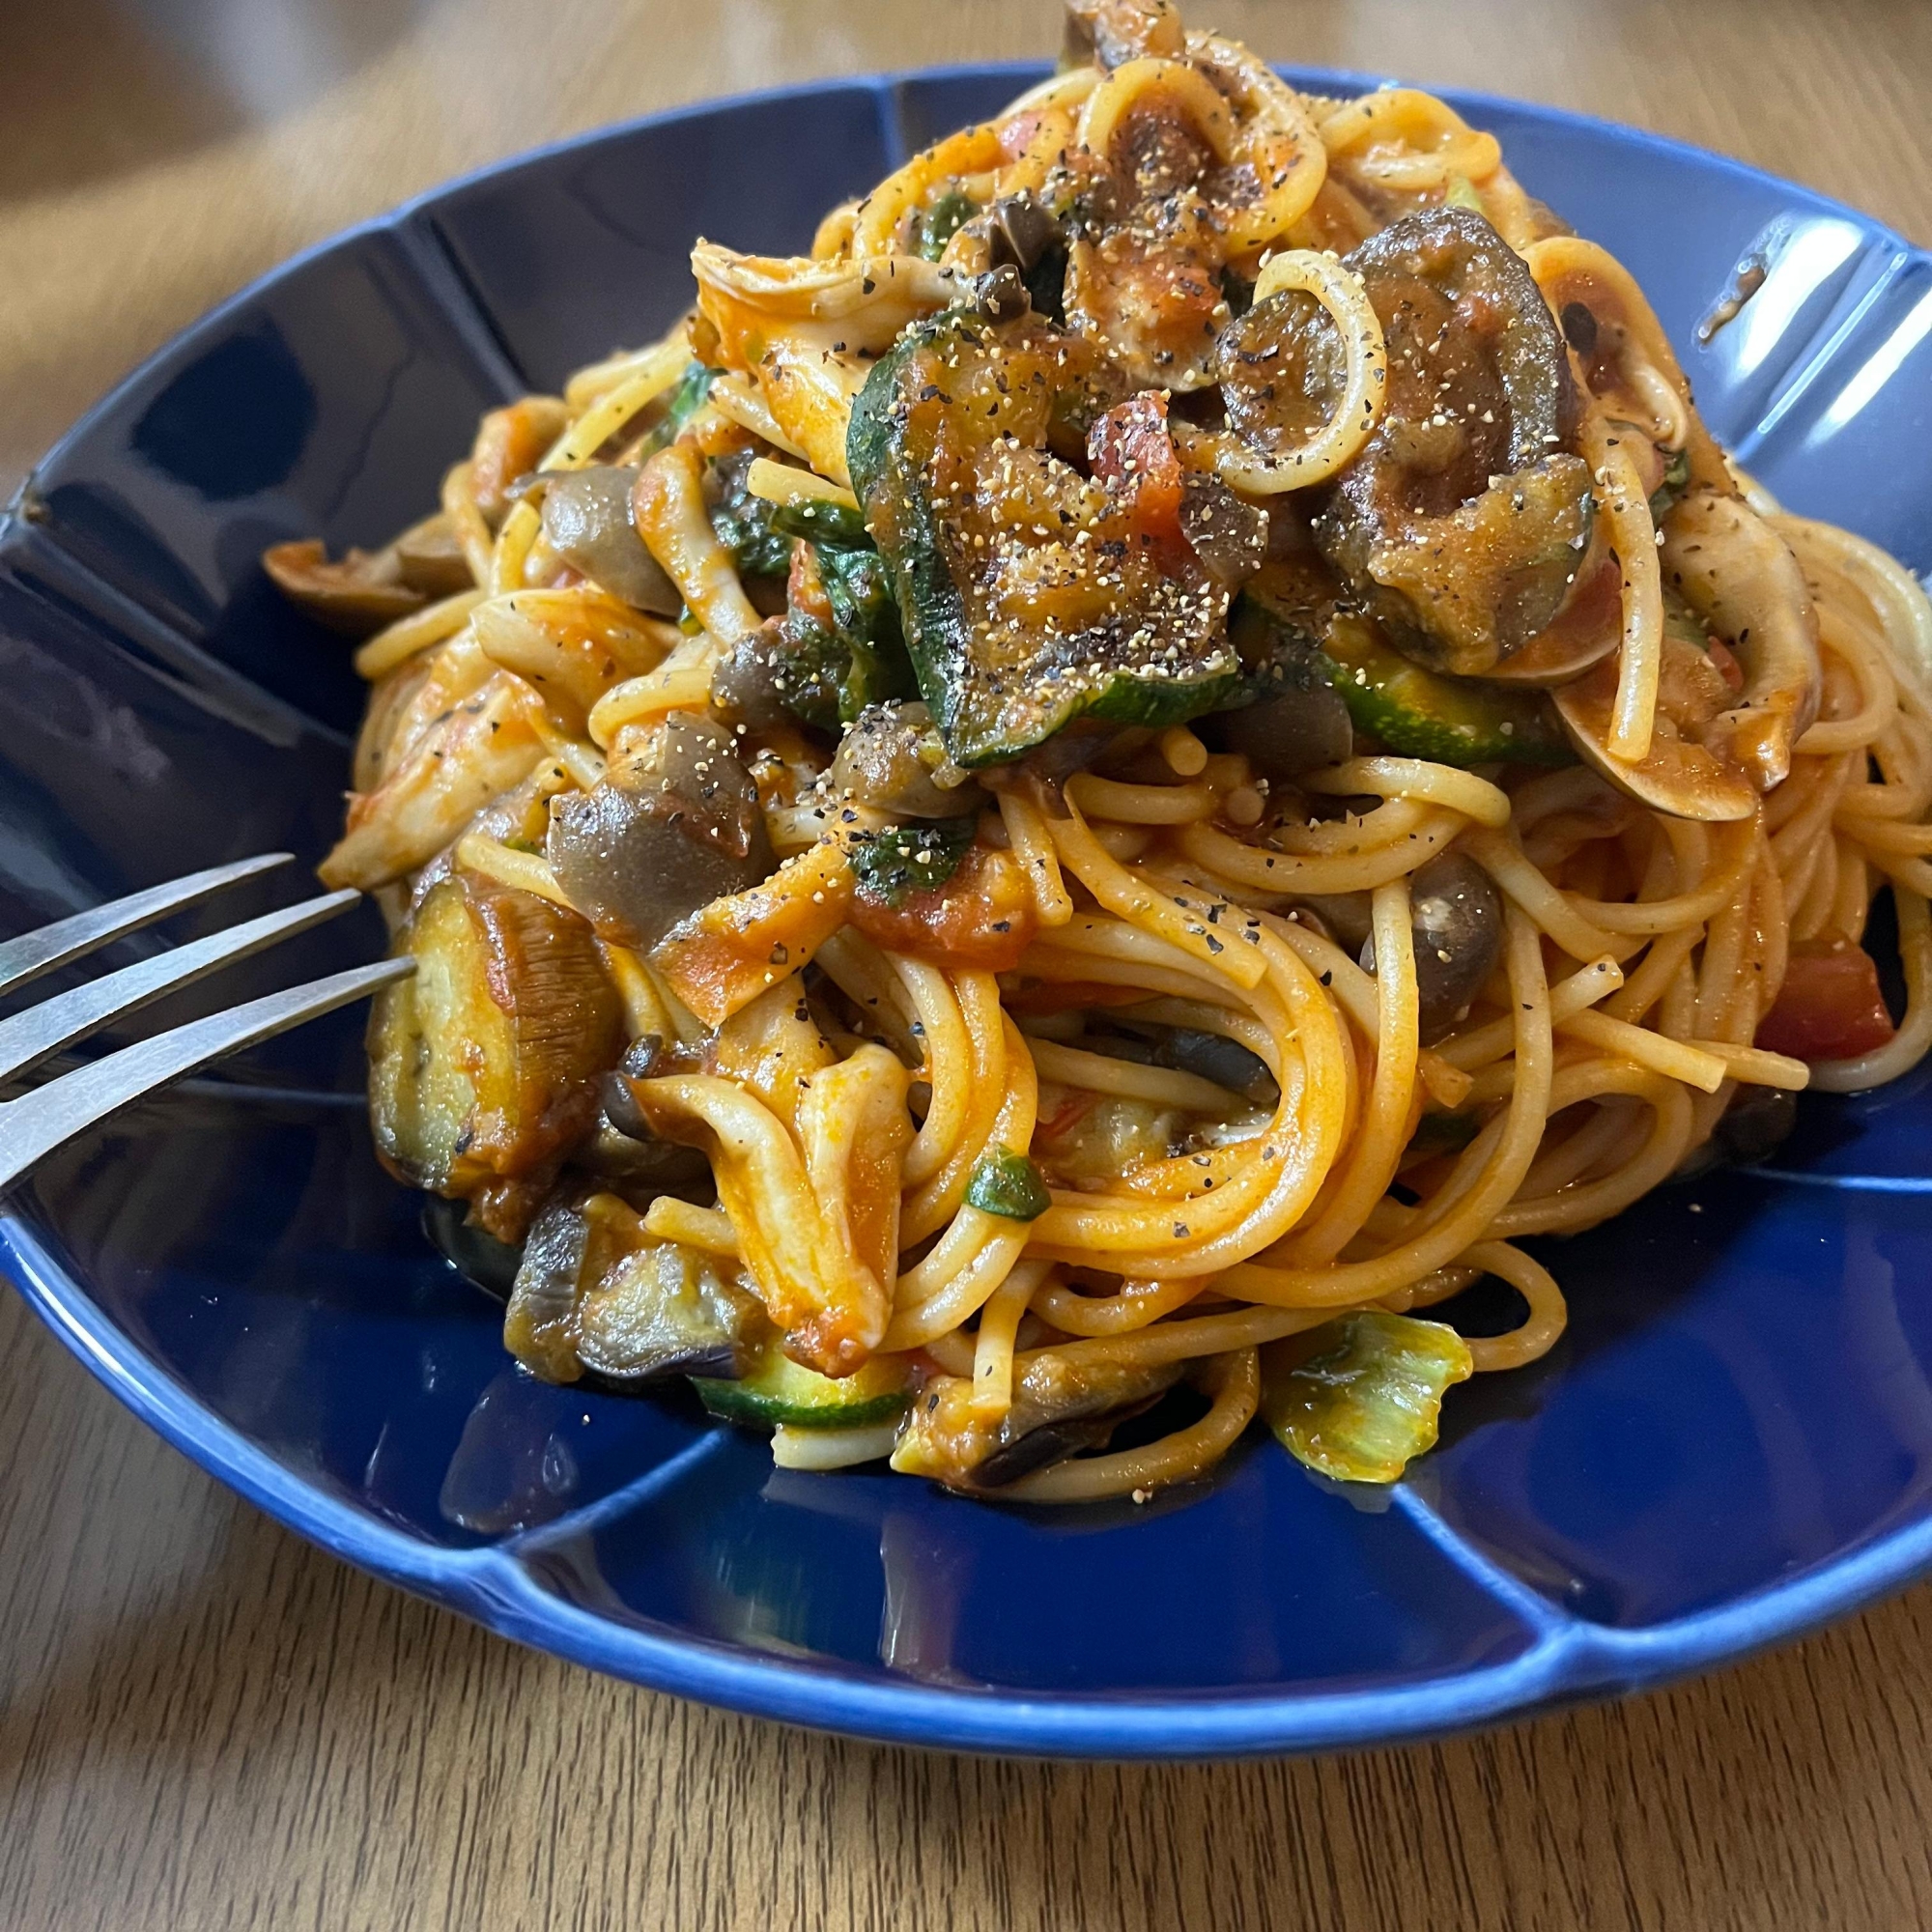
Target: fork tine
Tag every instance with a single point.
(37, 1124)
(30, 1037)
(32, 953)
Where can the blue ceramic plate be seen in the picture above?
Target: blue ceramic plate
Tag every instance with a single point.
(1733, 1442)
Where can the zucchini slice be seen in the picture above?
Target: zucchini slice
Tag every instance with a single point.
(1030, 591)
(777, 1390)
(1415, 712)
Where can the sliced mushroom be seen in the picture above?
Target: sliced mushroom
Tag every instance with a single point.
(432, 559)
(357, 595)
(1739, 575)
(666, 830)
(889, 759)
(1060, 1408)
(586, 515)
(1021, 232)
(1687, 771)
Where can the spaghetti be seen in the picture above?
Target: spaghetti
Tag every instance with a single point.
(1046, 828)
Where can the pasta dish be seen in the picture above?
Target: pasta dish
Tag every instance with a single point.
(1054, 823)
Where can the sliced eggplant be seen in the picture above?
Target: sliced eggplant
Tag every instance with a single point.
(484, 1062)
(1465, 521)
(1060, 1408)
(666, 830)
(1209, 1056)
(597, 1294)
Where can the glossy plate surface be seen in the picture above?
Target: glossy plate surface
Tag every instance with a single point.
(1733, 1442)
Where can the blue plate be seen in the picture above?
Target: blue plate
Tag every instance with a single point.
(1733, 1442)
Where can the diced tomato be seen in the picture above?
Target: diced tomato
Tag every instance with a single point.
(1132, 454)
(1830, 1008)
(982, 916)
(1728, 667)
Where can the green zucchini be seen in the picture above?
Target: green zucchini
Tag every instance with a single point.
(1425, 714)
(1417, 713)
(1009, 1184)
(779, 1390)
(1028, 594)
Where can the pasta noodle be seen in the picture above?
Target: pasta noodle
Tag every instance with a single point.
(1300, 878)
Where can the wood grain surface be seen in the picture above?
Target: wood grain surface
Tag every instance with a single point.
(206, 1724)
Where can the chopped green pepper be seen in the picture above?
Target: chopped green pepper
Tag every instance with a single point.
(943, 220)
(892, 865)
(1009, 1184)
(1676, 478)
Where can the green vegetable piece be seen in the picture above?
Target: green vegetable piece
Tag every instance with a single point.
(1676, 476)
(943, 220)
(894, 865)
(828, 674)
(746, 523)
(1016, 626)
(685, 401)
(835, 525)
(1357, 1397)
(779, 1390)
(1461, 193)
(1426, 714)
(1009, 1184)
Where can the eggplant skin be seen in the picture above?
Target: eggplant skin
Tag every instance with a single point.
(483, 1066)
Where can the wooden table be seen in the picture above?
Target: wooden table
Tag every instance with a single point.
(204, 1723)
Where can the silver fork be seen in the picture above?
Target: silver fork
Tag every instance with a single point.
(40, 1121)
